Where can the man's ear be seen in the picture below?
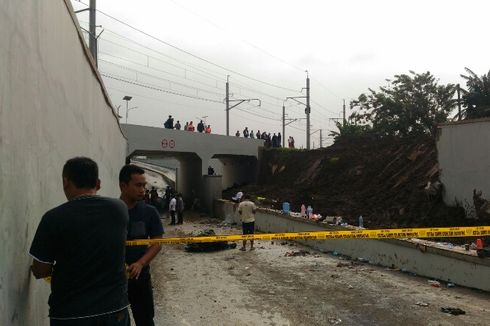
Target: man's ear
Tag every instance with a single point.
(97, 185)
(66, 183)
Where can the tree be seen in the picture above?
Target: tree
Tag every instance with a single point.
(349, 130)
(410, 104)
(476, 99)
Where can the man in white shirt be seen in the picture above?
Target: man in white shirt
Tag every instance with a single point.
(247, 210)
(172, 207)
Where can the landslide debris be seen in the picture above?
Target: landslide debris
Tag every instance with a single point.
(382, 179)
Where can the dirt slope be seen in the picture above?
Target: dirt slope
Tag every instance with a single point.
(381, 179)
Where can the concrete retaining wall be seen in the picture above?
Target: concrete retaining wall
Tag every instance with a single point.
(447, 265)
(52, 107)
(464, 158)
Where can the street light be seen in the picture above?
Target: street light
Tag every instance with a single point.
(127, 99)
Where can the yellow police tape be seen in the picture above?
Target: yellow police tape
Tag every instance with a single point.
(446, 232)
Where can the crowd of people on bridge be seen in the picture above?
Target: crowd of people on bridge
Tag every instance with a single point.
(189, 126)
(273, 141)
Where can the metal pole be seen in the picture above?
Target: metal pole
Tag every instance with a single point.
(459, 102)
(283, 124)
(343, 120)
(127, 110)
(92, 32)
(321, 139)
(227, 105)
(308, 111)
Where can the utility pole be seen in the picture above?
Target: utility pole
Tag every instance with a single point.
(283, 125)
(321, 139)
(227, 105)
(343, 114)
(239, 101)
(459, 102)
(92, 32)
(307, 109)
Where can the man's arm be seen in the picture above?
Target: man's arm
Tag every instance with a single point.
(41, 270)
(136, 267)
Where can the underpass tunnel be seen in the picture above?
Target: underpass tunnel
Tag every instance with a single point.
(187, 166)
(238, 170)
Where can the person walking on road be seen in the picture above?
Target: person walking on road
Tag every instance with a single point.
(180, 209)
(81, 245)
(172, 208)
(247, 210)
(144, 223)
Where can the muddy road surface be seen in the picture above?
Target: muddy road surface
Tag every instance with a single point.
(273, 286)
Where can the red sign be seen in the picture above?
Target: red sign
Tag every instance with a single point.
(168, 143)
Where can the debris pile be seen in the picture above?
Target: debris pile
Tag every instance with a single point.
(208, 246)
(391, 182)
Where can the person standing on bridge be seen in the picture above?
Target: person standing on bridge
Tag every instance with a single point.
(208, 129)
(245, 132)
(247, 210)
(144, 223)
(169, 124)
(177, 125)
(81, 245)
(200, 126)
(190, 127)
(237, 133)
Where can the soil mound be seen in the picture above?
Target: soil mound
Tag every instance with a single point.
(382, 179)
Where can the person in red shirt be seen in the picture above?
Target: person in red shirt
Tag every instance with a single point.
(208, 129)
(190, 127)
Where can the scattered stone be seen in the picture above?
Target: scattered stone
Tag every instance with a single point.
(453, 311)
(350, 286)
(334, 321)
(451, 285)
(422, 304)
(297, 253)
(434, 283)
(334, 276)
(341, 264)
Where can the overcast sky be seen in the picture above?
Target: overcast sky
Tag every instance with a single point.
(347, 47)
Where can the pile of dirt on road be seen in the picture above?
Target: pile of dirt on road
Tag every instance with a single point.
(381, 179)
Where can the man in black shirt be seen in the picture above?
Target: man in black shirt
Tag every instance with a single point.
(200, 126)
(169, 124)
(144, 223)
(81, 245)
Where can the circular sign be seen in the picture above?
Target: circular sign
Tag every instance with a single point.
(171, 143)
(164, 143)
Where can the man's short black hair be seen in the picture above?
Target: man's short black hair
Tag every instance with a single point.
(127, 171)
(82, 171)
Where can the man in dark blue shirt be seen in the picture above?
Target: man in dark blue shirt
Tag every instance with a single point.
(81, 245)
(144, 223)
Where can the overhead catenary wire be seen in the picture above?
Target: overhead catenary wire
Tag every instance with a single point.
(192, 54)
(139, 72)
(185, 68)
(156, 88)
